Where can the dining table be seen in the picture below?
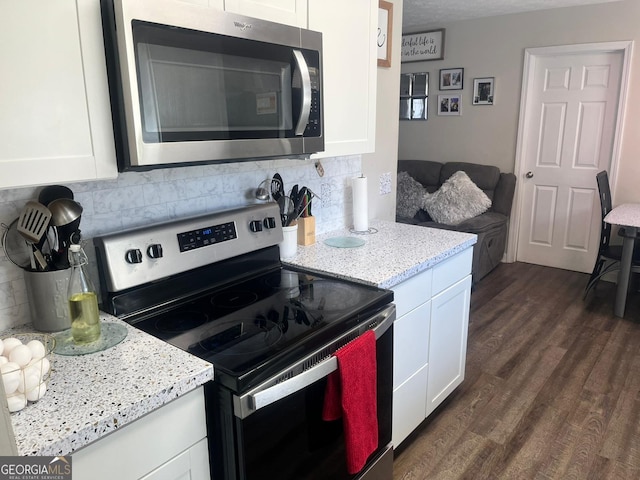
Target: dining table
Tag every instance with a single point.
(625, 215)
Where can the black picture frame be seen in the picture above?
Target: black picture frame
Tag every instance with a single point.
(451, 78)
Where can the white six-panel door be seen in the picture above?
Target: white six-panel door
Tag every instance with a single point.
(569, 126)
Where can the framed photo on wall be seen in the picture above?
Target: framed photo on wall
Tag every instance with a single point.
(483, 91)
(451, 78)
(449, 105)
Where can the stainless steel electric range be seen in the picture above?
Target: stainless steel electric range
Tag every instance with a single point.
(214, 286)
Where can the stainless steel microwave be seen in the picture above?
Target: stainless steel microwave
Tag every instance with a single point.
(191, 84)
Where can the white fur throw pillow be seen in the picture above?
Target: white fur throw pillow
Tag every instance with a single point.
(458, 199)
(410, 195)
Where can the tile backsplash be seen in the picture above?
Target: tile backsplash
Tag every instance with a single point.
(141, 198)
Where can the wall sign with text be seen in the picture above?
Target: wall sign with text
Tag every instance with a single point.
(419, 47)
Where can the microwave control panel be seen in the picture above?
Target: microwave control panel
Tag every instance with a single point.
(314, 125)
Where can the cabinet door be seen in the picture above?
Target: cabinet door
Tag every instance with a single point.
(191, 464)
(411, 343)
(349, 78)
(289, 12)
(409, 404)
(448, 341)
(55, 120)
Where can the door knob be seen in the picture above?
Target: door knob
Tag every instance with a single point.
(529, 175)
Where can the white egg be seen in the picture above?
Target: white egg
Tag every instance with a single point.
(46, 366)
(37, 348)
(28, 382)
(3, 360)
(9, 344)
(16, 402)
(11, 375)
(37, 393)
(21, 355)
(1, 346)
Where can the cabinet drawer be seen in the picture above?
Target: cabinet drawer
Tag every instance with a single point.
(410, 343)
(412, 292)
(452, 270)
(409, 406)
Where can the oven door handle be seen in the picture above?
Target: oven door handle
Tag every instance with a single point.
(270, 392)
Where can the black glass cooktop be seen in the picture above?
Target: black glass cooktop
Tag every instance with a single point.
(254, 328)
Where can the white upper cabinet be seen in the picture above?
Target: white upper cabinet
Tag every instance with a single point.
(289, 12)
(350, 71)
(55, 118)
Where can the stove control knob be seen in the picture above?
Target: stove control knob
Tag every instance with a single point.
(270, 222)
(133, 256)
(154, 251)
(255, 226)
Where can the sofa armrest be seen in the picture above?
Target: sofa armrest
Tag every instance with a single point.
(503, 195)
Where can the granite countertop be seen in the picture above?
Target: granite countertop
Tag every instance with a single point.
(89, 396)
(397, 251)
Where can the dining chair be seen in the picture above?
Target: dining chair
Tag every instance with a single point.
(608, 259)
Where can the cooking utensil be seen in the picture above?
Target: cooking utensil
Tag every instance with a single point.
(32, 225)
(64, 211)
(298, 205)
(294, 194)
(54, 192)
(286, 210)
(65, 216)
(16, 249)
(262, 193)
(277, 187)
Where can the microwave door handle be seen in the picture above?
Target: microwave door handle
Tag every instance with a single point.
(303, 120)
(259, 398)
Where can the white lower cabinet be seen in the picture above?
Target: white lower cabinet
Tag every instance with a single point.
(448, 341)
(167, 444)
(430, 340)
(409, 405)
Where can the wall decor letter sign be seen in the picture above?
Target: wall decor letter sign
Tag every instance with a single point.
(418, 47)
(385, 24)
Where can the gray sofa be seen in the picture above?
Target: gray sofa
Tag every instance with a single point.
(491, 226)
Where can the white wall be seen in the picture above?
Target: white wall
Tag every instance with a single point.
(380, 166)
(495, 47)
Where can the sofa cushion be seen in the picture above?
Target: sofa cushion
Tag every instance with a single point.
(410, 196)
(424, 171)
(484, 176)
(457, 200)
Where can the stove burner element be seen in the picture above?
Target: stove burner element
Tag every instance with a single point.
(240, 337)
(329, 296)
(181, 322)
(233, 299)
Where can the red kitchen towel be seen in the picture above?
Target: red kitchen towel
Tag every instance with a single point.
(352, 393)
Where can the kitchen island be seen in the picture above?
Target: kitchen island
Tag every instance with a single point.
(429, 271)
(91, 396)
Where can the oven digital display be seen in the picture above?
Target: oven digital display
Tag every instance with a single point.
(206, 236)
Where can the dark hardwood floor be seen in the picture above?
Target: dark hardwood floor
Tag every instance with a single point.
(551, 390)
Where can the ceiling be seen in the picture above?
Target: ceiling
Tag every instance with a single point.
(419, 13)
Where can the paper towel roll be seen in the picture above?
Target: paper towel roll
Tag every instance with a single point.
(360, 204)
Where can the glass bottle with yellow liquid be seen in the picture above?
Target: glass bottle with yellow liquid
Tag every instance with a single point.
(83, 301)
